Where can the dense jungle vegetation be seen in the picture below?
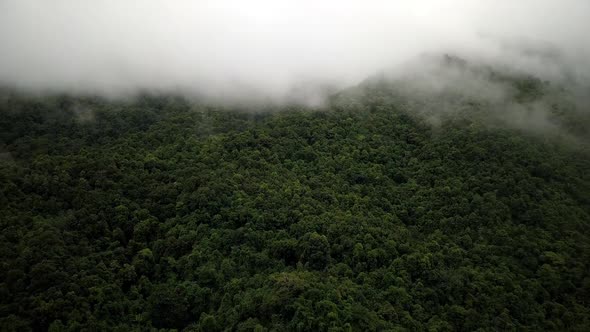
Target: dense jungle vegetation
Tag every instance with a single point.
(169, 214)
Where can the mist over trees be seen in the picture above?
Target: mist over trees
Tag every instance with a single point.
(302, 165)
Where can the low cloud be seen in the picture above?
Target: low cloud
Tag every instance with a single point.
(232, 50)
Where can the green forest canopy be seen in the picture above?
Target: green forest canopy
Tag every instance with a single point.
(360, 216)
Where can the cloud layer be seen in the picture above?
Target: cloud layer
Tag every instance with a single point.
(242, 49)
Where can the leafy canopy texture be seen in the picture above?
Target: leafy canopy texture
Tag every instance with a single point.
(364, 216)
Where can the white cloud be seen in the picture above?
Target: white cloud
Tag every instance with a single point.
(226, 47)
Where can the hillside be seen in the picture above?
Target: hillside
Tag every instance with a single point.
(383, 210)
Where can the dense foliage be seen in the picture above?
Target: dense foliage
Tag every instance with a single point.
(166, 214)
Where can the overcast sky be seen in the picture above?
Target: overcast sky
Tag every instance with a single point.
(227, 47)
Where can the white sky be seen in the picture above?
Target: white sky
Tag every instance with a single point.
(222, 47)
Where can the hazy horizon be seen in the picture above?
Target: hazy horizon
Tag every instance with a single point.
(266, 49)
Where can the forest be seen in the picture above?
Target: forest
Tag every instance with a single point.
(377, 211)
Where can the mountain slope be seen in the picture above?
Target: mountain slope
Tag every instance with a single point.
(377, 213)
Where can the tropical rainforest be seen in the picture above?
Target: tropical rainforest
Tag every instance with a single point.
(380, 210)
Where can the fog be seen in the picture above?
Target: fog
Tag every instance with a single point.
(274, 49)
